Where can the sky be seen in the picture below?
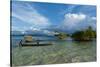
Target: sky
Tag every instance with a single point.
(52, 16)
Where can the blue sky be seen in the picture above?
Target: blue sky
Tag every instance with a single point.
(39, 16)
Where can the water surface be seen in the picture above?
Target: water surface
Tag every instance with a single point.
(62, 51)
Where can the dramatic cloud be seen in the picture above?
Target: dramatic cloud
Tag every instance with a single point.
(78, 22)
(29, 15)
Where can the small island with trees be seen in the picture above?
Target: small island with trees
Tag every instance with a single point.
(83, 35)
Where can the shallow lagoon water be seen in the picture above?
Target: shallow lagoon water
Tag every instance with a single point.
(62, 51)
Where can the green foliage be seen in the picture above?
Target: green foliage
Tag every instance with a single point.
(87, 34)
(61, 35)
(78, 35)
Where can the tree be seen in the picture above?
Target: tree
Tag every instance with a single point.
(87, 34)
(61, 35)
(78, 35)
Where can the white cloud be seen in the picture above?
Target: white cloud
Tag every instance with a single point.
(29, 15)
(49, 32)
(15, 28)
(93, 18)
(77, 17)
(78, 21)
(73, 19)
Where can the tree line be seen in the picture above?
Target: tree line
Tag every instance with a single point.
(83, 35)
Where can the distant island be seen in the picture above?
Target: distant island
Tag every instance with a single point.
(83, 35)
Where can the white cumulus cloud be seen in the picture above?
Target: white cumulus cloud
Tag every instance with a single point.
(80, 21)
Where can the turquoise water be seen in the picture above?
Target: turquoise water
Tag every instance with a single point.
(66, 51)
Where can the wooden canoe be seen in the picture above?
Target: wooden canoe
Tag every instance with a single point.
(34, 43)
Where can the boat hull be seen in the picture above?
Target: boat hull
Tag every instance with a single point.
(34, 43)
